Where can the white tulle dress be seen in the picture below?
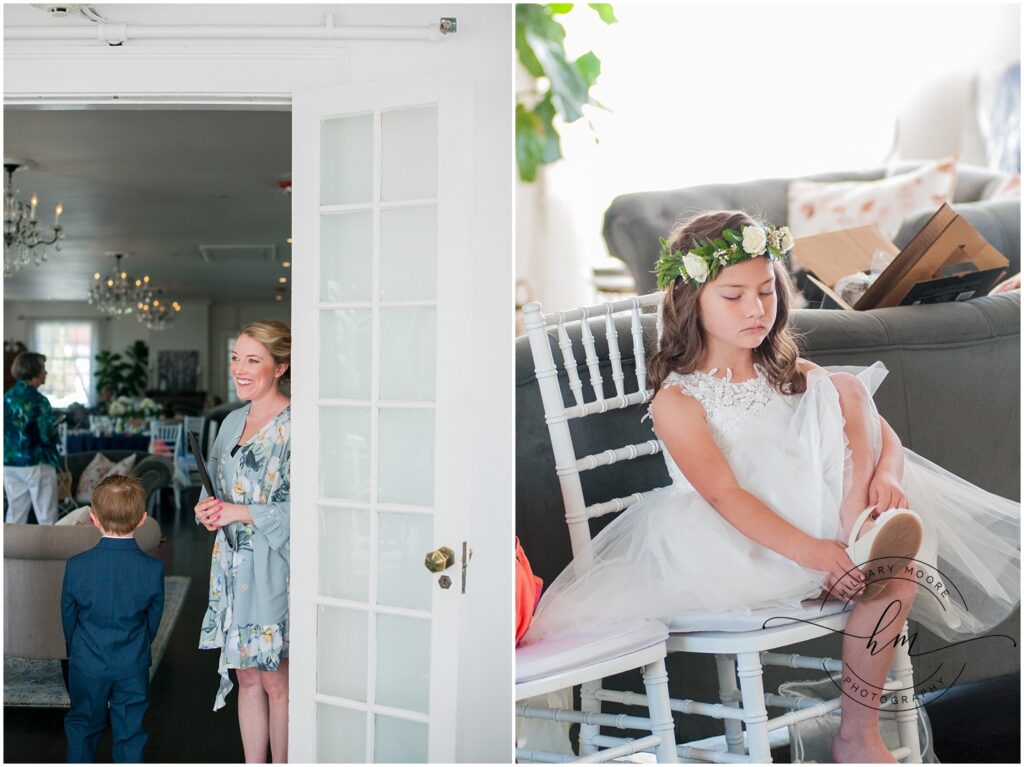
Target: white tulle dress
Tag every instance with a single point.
(672, 551)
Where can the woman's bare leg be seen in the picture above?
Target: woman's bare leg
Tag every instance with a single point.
(252, 715)
(275, 684)
(869, 644)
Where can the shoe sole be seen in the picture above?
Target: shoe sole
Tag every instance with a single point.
(897, 542)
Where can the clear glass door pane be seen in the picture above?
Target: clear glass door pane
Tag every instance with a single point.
(404, 540)
(406, 462)
(342, 651)
(346, 160)
(345, 554)
(345, 453)
(340, 735)
(399, 741)
(346, 339)
(403, 662)
(408, 253)
(408, 353)
(346, 256)
(408, 154)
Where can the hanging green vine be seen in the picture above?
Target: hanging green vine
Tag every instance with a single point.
(541, 50)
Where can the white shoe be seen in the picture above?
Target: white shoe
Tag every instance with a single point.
(886, 547)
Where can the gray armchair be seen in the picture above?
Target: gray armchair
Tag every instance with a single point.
(634, 222)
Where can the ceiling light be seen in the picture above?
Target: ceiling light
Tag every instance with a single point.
(286, 264)
(24, 241)
(158, 314)
(282, 280)
(119, 294)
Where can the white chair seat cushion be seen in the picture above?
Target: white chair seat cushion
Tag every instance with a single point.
(568, 651)
(730, 620)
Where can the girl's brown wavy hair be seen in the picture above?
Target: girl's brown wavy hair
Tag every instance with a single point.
(682, 340)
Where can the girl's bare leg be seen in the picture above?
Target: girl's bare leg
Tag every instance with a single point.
(854, 401)
(868, 647)
(252, 715)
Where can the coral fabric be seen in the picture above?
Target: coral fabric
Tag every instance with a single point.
(816, 207)
(528, 588)
(161, 447)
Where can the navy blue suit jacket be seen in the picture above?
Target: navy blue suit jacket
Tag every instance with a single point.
(111, 602)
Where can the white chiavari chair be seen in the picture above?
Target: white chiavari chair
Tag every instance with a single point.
(191, 424)
(740, 645)
(165, 439)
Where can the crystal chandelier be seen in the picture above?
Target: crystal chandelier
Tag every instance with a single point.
(118, 294)
(156, 313)
(24, 242)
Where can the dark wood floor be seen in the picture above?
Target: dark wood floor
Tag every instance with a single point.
(181, 722)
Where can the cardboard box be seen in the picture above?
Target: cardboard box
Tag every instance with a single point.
(948, 260)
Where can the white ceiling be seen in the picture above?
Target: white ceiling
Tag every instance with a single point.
(157, 185)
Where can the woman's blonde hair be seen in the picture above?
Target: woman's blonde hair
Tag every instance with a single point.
(682, 340)
(277, 337)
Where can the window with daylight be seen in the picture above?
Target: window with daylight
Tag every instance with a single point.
(68, 346)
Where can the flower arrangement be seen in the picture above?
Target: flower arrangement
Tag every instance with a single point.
(703, 262)
(133, 407)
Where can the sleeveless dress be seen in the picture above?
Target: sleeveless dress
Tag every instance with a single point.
(672, 552)
(247, 616)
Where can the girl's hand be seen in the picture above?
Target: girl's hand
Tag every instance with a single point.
(845, 579)
(207, 510)
(885, 492)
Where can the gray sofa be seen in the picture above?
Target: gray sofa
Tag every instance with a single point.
(634, 222)
(953, 387)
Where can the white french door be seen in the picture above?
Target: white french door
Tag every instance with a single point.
(380, 208)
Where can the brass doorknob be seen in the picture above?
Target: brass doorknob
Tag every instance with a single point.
(439, 559)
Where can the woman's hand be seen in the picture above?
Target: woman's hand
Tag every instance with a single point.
(885, 492)
(231, 512)
(207, 512)
(845, 579)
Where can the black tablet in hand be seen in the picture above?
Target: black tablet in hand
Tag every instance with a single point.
(197, 453)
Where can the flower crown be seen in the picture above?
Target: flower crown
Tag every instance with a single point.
(701, 263)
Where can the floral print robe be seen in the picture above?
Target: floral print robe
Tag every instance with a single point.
(247, 617)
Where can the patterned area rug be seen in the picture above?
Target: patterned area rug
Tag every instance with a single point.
(38, 683)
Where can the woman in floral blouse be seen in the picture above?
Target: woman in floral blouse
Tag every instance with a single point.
(247, 618)
(30, 444)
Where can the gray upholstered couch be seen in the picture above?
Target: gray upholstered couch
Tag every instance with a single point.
(952, 395)
(34, 559)
(634, 222)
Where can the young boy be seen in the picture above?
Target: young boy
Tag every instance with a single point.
(111, 603)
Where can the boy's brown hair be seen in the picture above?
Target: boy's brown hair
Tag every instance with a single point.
(119, 503)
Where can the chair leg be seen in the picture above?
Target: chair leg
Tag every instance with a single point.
(659, 709)
(729, 694)
(589, 703)
(906, 705)
(755, 713)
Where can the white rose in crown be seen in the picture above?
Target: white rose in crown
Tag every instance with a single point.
(754, 240)
(696, 267)
(786, 244)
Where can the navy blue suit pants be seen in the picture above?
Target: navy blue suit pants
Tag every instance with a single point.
(128, 699)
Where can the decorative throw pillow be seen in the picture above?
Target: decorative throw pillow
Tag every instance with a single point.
(92, 476)
(1008, 189)
(79, 516)
(816, 207)
(123, 467)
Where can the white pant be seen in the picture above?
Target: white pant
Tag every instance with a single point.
(29, 487)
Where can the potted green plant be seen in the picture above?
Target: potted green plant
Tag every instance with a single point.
(125, 376)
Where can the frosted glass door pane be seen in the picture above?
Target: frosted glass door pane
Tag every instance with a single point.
(408, 253)
(345, 553)
(346, 160)
(399, 741)
(346, 256)
(403, 662)
(406, 456)
(340, 735)
(408, 154)
(345, 453)
(341, 646)
(345, 353)
(408, 353)
(404, 540)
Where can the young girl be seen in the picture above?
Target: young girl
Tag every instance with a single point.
(775, 463)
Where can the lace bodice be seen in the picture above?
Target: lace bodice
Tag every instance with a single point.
(726, 404)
